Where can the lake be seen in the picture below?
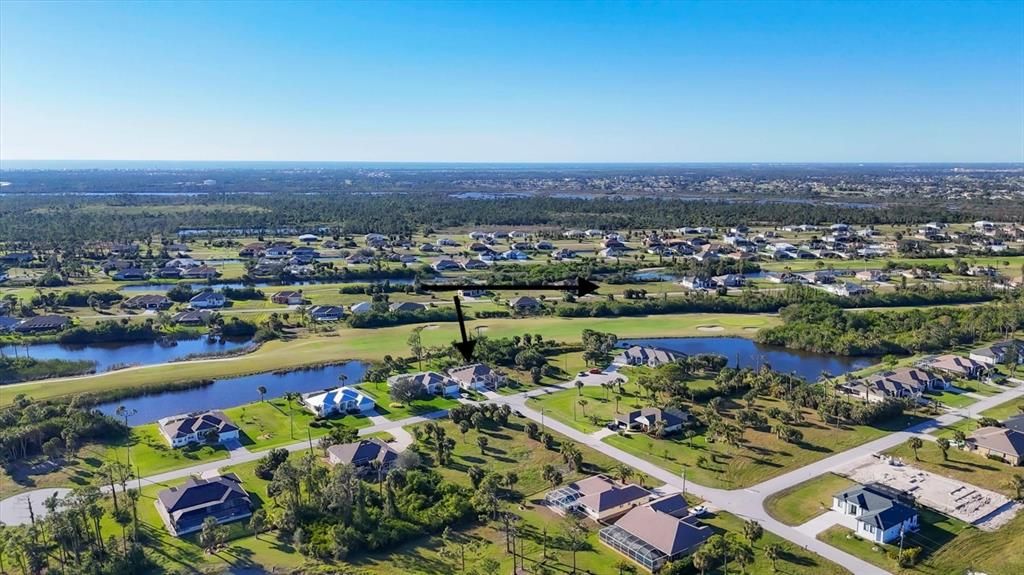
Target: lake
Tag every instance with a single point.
(138, 353)
(230, 392)
(751, 354)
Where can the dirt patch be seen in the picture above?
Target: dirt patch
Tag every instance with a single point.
(981, 507)
(432, 326)
(710, 328)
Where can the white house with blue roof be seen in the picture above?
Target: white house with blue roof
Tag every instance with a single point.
(880, 514)
(338, 401)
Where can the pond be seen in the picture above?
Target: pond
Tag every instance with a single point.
(107, 355)
(230, 392)
(751, 354)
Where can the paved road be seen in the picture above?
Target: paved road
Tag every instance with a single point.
(746, 503)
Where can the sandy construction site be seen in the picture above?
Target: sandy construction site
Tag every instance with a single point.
(981, 507)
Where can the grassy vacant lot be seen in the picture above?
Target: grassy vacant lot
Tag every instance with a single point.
(761, 455)
(805, 501)
(601, 403)
(376, 343)
(395, 411)
(950, 398)
(793, 561)
(961, 465)
(1005, 409)
(948, 546)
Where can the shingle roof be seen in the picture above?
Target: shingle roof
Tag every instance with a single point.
(670, 535)
(198, 492)
(204, 422)
(615, 497)
(879, 506)
(362, 452)
(1001, 439)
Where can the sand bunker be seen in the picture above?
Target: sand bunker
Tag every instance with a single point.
(710, 328)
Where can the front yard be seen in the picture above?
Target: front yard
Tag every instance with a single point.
(805, 501)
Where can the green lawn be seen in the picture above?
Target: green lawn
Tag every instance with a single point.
(948, 546)
(600, 403)
(269, 423)
(1006, 409)
(378, 391)
(374, 344)
(794, 560)
(152, 454)
(761, 455)
(950, 398)
(805, 501)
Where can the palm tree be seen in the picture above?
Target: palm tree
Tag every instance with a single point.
(291, 397)
(482, 442)
(579, 387)
(583, 406)
(623, 472)
(943, 444)
(915, 444)
(772, 552)
(1017, 484)
(262, 390)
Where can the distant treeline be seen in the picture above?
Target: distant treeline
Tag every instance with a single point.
(769, 302)
(826, 328)
(68, 221)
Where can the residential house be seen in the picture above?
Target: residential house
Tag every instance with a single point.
(367, 456)
(130, 274)
(900, 383)
(190, 428)
(252, 250)
(288, 297)
(42, 323)
(473, 292)
(445, 265)
(360, 308)
(200, 273)
(475, 264)
(433, 383)
(8, 323)
(597, 497)
(277, 252)
(1015, 423)
(337, 401)
(184, 509)
(150, 301)
(881, 514)
(649, 356)
(563, 254)
(208, 299)
(515, 255)
(477, 377)
(872, 276)
(648, 419)
(192, 317)
(523, 304)
(730, 280)
(696, 283)
(17, 258)
(406, 307)
(657, 533)
(1000, 442)
(954, 365)
(846, 289)
(325, 313)
(999, 353)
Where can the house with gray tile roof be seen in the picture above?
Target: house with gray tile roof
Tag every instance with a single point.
(185, 508)
(881, 513)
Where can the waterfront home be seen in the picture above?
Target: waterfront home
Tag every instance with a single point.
(881, 514)
(998, 442)
(846, 289)
(149, 301)
(473, 292)
(198, 427)
(208, 299)
(192, 317)
(42, 323)
(367, 456)
(477, 377)
(656, 533)
(184, 509)
(872, 276)
(475, 264)
(953, 365)
(648, 356)
(200, 273)
(338, 401)
(697, 283)
(130, 274)
(999, 353)
(431, 382)
(445, 265)
(900, 383)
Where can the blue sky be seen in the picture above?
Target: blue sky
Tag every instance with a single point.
(518, 82)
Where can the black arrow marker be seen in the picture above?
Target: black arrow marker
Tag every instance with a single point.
(582, 287)
(465, 346)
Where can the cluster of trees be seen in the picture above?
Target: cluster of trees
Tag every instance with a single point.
(15, 369)
(243, 293)
(378, 317)
(755, 301)
(332, 513)
(107, 331)
(76, 298)
(69, 539)
(55, 429)
(826, 328)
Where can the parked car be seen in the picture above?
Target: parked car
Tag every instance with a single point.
(596, 370)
